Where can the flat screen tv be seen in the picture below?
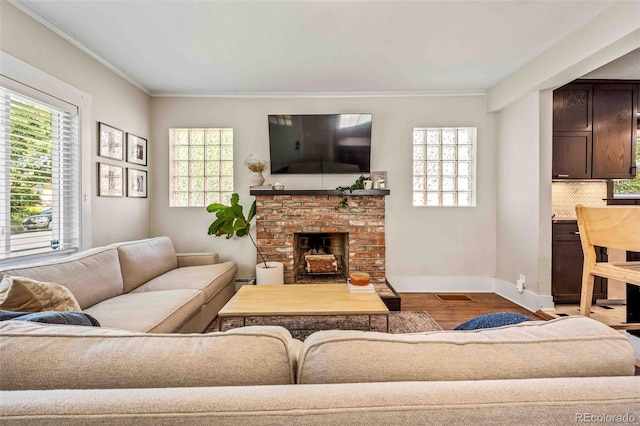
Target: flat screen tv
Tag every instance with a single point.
(320, 143)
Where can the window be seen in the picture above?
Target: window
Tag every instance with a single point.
(201, 167)
(444, 166)
(626, 191)
(39, 183)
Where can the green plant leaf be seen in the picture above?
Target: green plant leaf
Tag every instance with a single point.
(215, 207)
(252, 211)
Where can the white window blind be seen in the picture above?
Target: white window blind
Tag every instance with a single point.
(201, 167)
(39, 165)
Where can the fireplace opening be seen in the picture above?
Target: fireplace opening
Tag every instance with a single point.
(320, 257)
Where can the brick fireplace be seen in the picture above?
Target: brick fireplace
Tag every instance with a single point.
(284, 215)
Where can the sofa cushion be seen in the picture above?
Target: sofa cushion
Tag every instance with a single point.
(567, 401)
(210, 279)
(23, 294)
(153, 312)
(566, 347)
(45, 356)
(144, 260)
(92, 275)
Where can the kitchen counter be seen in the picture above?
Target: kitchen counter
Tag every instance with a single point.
(562, 219)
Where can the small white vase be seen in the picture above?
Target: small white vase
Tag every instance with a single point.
(256, 179)
(274, 274)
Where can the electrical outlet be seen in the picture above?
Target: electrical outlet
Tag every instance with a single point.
(521, 283)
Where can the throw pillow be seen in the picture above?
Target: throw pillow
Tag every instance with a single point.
(498, 319)
(27, 295)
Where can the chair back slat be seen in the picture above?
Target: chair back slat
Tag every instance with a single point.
(612, 227)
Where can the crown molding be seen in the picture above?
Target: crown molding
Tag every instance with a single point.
(160, 94)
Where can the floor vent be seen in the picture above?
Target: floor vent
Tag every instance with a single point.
(453, 297)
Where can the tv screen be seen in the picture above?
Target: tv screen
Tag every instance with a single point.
(320, 143)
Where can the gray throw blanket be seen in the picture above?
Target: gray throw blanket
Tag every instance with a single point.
(51, 317)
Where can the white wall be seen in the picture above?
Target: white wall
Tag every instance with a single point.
(518, 197)
(420, 241)
(115, 102)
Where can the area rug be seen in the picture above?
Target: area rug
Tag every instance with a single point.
(302, 327)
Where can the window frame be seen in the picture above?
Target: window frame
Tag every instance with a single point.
(221, 195)
(626, 199)
(472, 172)
(24, 78)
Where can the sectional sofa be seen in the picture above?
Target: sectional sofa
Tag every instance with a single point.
(565, 371)
(142, 285)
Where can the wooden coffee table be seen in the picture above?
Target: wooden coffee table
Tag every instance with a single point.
(301, 300)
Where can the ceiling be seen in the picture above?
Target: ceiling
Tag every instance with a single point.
(211, 47)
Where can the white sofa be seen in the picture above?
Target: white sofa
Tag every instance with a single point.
(565, 371)
(142, 285)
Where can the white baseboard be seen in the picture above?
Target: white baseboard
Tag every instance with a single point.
(470, 284)
(527, 299)
(442, 284)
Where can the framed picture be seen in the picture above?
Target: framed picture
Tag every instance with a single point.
(136, 183)
(110, 180)
(110, 142)
(379, 180)
(136, 149)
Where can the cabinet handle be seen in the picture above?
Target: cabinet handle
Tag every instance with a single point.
(576, 233)
(562, 176)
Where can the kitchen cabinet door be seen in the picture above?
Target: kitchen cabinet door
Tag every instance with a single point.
(614, 131)
(566, 265)
(571, 155)
(572, 108)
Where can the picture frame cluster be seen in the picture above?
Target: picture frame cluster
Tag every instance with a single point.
(115, 144)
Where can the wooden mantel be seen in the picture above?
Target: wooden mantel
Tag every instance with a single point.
(357, 192)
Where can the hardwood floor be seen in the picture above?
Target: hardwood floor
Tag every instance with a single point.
(449, 311)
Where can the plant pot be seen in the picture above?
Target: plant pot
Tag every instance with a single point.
(256, 179)
(274, 274)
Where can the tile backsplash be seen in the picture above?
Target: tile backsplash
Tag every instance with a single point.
(565, 195)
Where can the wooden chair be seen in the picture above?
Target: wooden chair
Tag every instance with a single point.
(611, 227)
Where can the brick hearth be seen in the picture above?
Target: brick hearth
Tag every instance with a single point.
(281, 214)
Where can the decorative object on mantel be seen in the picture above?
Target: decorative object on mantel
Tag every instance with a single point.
(379, 180)
(359, 184)
(278, 186)
(230, 221)
(256, 167)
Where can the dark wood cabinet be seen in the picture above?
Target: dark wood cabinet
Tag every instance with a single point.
(566, 265)
(614, 131)
(572, 108)
(594, 131)
(572, 155)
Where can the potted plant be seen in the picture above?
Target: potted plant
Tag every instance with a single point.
(231, 221)
(359, 184)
